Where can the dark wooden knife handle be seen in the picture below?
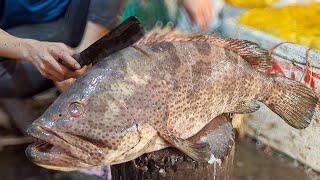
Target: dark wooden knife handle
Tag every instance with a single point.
(77, 57)
(124, 35)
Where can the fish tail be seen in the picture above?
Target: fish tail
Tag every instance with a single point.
(293, 101)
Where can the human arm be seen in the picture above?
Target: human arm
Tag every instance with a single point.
(44, 55)
(93, 32)
(200, 12)
(103, 15)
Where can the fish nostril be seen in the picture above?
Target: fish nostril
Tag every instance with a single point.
(60, 115)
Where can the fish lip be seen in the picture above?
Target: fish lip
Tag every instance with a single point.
(64, 163)
(64, 157)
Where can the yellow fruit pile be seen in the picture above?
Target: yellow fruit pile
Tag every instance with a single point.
(251, 3)
(294, 23)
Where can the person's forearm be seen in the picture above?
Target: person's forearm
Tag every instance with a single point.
(12, 47)
(92, 33)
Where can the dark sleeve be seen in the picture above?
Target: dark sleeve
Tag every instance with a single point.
(105, 12)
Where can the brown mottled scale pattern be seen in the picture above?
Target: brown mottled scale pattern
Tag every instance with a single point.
(200, 83)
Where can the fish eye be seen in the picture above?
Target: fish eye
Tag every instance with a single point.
(75, 109)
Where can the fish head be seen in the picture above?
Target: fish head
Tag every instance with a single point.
(80, 129)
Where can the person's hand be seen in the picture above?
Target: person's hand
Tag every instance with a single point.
(53, 60)
(64, 85)
(199, 11)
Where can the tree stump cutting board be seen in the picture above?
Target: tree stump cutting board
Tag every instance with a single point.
(171, 164)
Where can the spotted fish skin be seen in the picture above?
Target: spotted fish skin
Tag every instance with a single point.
(195, 82)
(161, 91)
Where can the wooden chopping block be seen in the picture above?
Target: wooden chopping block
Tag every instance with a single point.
(171, 164)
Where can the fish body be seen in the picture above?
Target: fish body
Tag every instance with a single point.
(157, 94)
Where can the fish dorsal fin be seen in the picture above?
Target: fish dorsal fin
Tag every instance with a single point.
(163, 35)
(251, 52)
(256, 56)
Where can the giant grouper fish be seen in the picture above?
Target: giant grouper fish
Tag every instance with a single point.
(157, 93)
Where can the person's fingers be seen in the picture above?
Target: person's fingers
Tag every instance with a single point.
(58, 70)
(205, 16)
(191, 16)
(77, 73)
(66, 48)
(53, 77)
(208, 13)
(48, 75)
(45, 74)
(203, 20)
(64, 73)
(199, 12)
(200, 20)
(43, 65)
(66, 58)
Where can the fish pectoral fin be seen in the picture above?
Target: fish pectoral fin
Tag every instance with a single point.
(246, 107)
(256, 56)
(197, 151)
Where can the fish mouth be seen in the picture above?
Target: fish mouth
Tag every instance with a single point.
(61, 151)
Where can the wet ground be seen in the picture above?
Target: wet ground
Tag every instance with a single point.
(253, 161)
